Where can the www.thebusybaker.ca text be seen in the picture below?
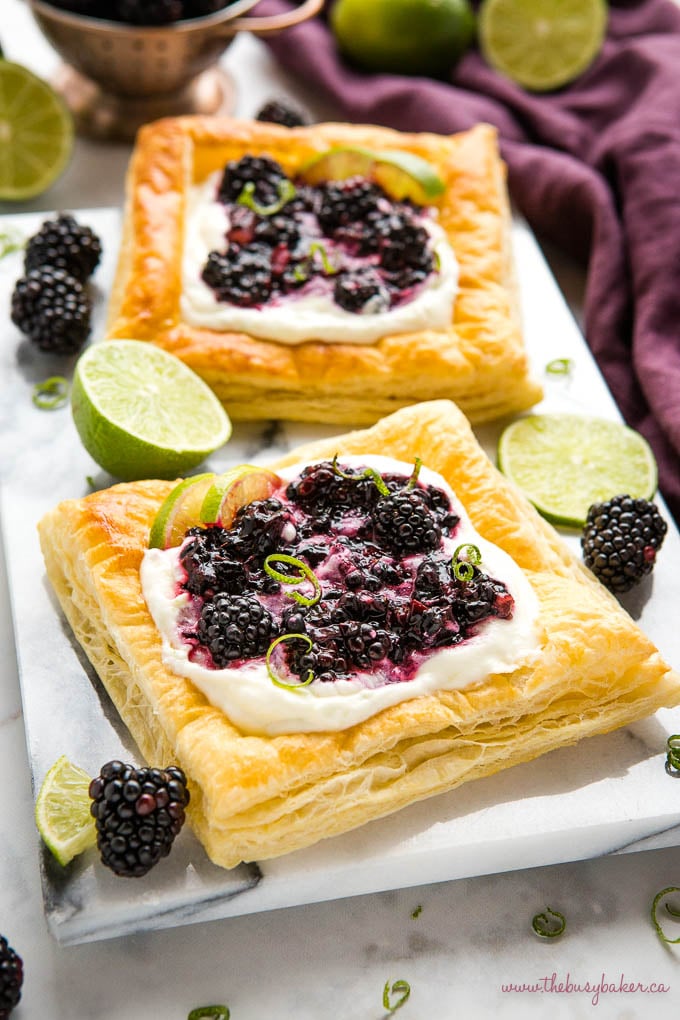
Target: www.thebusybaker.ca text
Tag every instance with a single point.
(568, 986)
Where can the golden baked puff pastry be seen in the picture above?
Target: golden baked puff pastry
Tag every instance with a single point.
(254, 795)
(476, 357)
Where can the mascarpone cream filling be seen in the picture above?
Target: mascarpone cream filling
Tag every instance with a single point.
(252, 702)
(306, 316)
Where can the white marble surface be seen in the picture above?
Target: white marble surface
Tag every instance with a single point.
(470, 938)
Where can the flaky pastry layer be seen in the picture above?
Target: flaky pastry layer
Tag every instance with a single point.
(257, 797)
(479, 361)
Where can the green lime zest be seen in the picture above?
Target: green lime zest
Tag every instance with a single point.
(209, 1012)
(411, 484)
(51, 394)
(560, 366)
(401, 988)
(272, 675)
(545, 927)
(669, 910)
(673, 756)
(417, 911)
(317, 248)
(368, 472)
(11, 240)
(464, 569)
(286, 189)
(306, 574)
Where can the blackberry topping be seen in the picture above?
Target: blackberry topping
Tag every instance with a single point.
(276, 112)
(261, 171)
(149, 12)
(620, 541)
(262, 527)
(52, 309)
(320, 489)
(235, 627)
(404, 244)
(344, 202)
(11, 978)
(64, 244)
(138, 812)
(361, 291)
(277, 229)
(210, 564)
(403, 522)
(242, 276)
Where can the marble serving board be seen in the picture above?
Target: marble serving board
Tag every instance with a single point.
(605, 795)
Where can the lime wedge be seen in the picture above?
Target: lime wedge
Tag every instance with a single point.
(234, 489)
(36, 134)
(566, 462)
(179, 511)
(402, 174)
(542, 44)
(141, 413)
(62, 811)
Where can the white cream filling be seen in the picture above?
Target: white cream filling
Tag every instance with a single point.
(255, 704)
(303, 317)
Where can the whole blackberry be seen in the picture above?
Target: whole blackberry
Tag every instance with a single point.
(52, 309)
(149, 12)
(403, 522)
(11, 978)
(264, 173)
(262, 527)
(235, 627)
(277, 229)
(620, 540)
(242, 276)
(277, 112)
(361, 291)
(199, 8)
(404, 244)
(138, 812)
(64, 244)
(350, 201)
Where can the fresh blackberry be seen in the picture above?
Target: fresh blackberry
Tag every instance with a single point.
(350, 201)
(138, 812)
(235, 627)
(277, 229)
(361, 291)
(242, 276)
(265, 174)
(64, 244)
(52, 309)
(199, 8)
(404, 244)
(11, 978)
(620, 540)
(403, 522)
(149, 12)
(277, 112)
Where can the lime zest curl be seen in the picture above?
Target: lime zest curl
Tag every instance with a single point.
(464, 570)
(411, 484)
(210, 1013)
(366, 473)
(51, 394)
(545, 927)
(669, 910)
(560, 366)
(306, 574)
(11, 240)
(286, 189)
(673, 756)
(402, 988)
(272, 675)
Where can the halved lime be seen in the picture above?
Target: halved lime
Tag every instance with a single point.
(566, 462)
(62, 811)
(402, 174)
(36, 133)
(234, 489)
(542, 44)
(141, 413)
(179, 511)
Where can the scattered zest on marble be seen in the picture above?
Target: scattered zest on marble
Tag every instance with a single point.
(401, 988)
(669, 910)
(51, 394)
(560, 366)
(547, 928)
(673, 756)
(209, 1013)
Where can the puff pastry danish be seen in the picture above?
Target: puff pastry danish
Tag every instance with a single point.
(478, 360)
(255, 796)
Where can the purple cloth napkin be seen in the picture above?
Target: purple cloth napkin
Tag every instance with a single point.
(594, 167)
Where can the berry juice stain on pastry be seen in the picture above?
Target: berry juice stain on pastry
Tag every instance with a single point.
(352, 587)
(339, 260)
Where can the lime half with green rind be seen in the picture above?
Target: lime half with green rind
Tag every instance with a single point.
(401, 173)
(62, 811)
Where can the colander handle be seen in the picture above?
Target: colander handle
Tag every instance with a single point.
(276, 22)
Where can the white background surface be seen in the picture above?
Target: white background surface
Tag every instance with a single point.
(327, 960)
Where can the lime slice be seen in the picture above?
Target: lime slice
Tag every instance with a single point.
(62, 811)
(141, 413)
(402, 174)
(179, 511)
(542, 44)
(566, 462)
(234, 489)
(36, 134)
